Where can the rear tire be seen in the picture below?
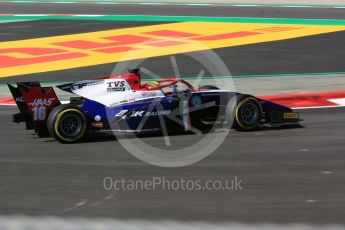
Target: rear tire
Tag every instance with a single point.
(67, 124)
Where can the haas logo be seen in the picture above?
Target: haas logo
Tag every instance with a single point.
(42, 102)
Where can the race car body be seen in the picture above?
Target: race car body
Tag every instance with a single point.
(122, 103)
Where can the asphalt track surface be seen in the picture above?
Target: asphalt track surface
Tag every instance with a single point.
(289, 175)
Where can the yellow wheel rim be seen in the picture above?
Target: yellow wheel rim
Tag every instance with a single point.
(60, 117)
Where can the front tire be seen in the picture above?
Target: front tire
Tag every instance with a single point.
(248, 114)
(67, 124)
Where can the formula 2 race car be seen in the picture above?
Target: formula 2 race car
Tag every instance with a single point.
(123, 103)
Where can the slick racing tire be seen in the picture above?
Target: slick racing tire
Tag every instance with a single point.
(245, 113)
(212, 87)
(248, 113)
(67, 124)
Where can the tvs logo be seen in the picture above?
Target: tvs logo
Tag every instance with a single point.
(116, 86)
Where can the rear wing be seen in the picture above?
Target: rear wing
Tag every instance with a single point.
(23, 115)
(34, 103)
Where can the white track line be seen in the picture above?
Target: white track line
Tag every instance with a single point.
(339, 101)
(320, 107)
